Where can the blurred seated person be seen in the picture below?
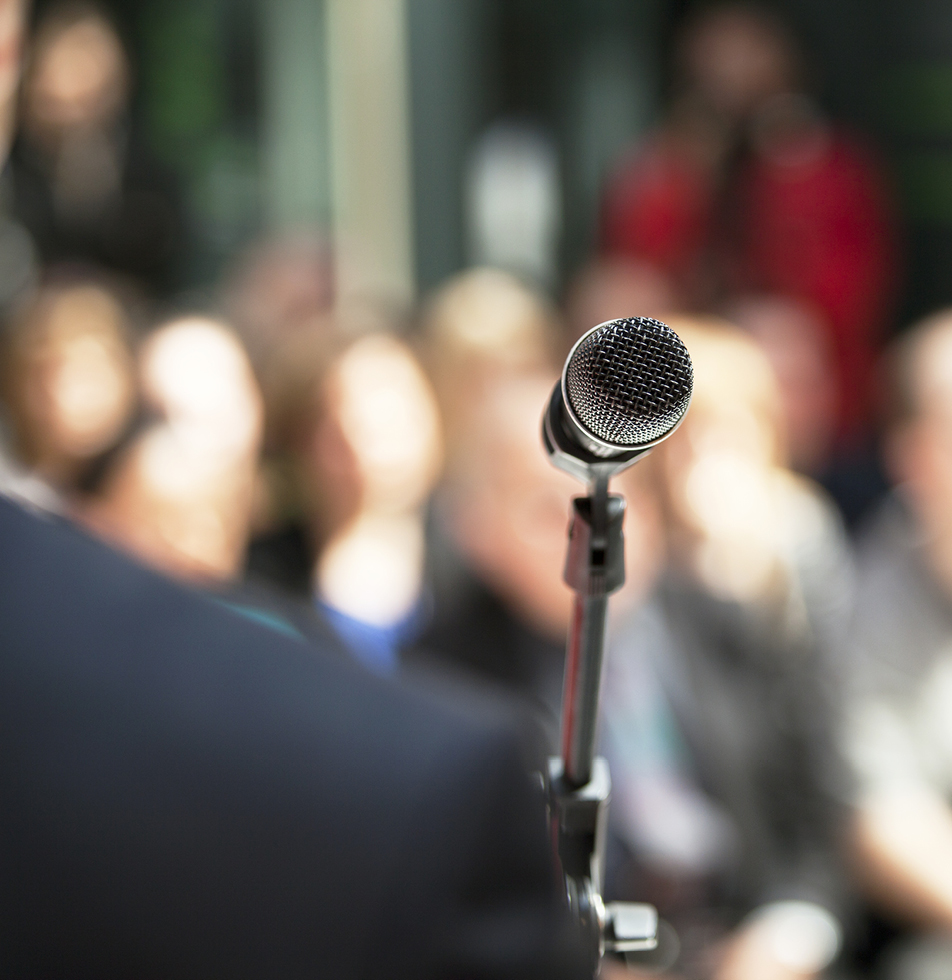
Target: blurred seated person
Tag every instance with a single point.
(358, 419)
(179, 493)
(720, 690)
(502, 619)
(498, 535)
(745, 187)
(18, 269)
(67, 380)
(83, 183)
(179, 489)
(898, 731)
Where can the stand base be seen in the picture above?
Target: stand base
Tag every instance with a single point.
(578, 816)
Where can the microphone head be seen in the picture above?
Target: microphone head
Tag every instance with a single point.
(627, 384)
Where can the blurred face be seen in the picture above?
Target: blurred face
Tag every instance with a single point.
(79, 76)
(196, 372)
(735, 62)
(510, 514)
(798, 352)
(719, 471)
(76, 383)
(483, 326)
(377, 446)
(181, 497)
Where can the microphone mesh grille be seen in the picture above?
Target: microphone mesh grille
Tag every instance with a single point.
(629, 382)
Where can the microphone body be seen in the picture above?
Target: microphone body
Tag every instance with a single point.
(626, 386)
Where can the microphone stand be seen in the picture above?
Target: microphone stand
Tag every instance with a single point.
(579, 782)
(620, 369)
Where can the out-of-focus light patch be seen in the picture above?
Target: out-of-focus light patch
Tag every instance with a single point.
(196, 371)
(803, 937)
(514, 201)
(389, 416)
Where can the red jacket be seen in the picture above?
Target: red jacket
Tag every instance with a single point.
(816, 225)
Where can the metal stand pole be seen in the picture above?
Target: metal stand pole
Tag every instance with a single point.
(594, 568)
(579, 783)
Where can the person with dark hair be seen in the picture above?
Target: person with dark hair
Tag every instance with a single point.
(745, 187)
(84, 184)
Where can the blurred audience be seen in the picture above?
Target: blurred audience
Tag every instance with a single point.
(179, 493)
(67, 380)
(83, 182)
(358, 420)
(898, 732)
(746, 187)
(721, 691)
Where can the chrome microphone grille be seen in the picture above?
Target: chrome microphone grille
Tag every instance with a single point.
(629, 381)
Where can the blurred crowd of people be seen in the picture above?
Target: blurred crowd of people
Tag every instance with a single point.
(777, 689)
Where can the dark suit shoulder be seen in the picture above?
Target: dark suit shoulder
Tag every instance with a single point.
(189, 793)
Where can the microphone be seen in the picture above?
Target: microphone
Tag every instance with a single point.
(626, 386)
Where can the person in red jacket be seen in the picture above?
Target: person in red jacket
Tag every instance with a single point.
(745, 187)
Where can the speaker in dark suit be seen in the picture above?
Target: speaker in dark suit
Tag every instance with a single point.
(186, 793)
